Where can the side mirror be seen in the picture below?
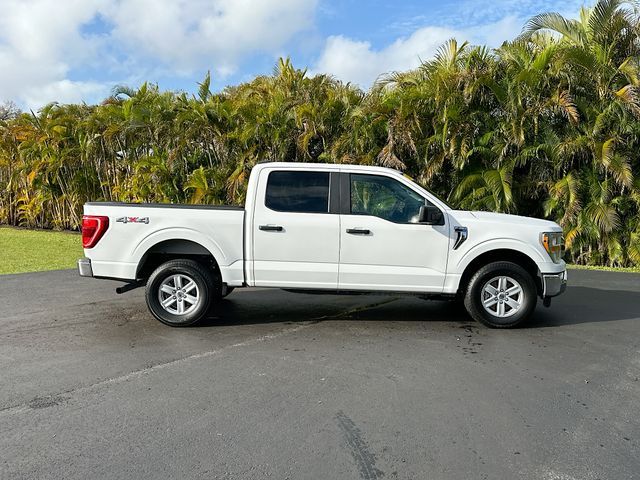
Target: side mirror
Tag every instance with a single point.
(430, 215)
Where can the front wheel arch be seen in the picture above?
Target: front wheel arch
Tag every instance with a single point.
(500, 255)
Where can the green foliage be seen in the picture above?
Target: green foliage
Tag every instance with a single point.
(546, 125)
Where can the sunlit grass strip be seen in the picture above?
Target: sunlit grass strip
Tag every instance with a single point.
(23, 250)
(605, 269)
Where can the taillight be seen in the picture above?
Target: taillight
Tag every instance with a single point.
(93, 228)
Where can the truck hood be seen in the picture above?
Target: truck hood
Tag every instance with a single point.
(464, 216)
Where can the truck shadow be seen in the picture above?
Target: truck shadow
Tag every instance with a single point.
(578, 305)
(587, 305)
(276, 306)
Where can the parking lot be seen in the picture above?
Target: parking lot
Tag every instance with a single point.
(282, 385)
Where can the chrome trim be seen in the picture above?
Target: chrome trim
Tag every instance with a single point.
(84, 267)
(553, 284)
(463, 234)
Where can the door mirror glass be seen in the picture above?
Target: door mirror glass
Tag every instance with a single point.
(431, 215)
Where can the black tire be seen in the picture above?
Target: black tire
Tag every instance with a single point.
(206, 292)
(474, 294)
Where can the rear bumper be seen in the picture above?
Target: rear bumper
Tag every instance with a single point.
(84, 267)
(553, 284)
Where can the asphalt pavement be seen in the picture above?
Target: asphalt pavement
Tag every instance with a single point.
(282, 385)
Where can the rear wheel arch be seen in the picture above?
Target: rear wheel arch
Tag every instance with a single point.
(176, 249)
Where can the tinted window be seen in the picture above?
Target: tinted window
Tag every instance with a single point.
(384, 197)
(306, 192)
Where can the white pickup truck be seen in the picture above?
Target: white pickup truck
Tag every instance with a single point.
(320, 228)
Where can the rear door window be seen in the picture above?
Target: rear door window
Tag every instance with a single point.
(302, 192)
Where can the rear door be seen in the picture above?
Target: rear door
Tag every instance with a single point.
(383, 247)
(295, 235)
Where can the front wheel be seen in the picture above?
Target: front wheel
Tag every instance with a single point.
(501, 295)
(180, 292)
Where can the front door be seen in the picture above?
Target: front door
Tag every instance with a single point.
(295, 238)
(382, 245)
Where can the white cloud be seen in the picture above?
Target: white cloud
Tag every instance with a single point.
(188, 34)
(358, 62)
(63, 91)
(38, 43)
(496, 33)
(43, 44)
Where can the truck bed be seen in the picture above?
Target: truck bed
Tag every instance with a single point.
(135, 228)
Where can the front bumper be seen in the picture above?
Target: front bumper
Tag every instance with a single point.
(553, 284)
(84, 267)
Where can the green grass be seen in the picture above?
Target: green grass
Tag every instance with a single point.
(23, 250)
(604, 269)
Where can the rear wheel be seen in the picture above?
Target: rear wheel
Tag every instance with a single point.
(501, 295)
(180, 292)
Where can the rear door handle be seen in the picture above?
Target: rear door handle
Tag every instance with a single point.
(271, 228)
(359, 231)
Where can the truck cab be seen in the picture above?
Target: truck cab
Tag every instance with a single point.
(327, 227)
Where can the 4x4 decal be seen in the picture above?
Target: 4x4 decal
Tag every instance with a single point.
(133, 220)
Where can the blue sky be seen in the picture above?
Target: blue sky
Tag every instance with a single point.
(78, 50)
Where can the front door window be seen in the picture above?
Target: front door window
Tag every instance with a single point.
(385, 198)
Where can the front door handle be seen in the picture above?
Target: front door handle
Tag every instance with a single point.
(359, 231)
(271, 228)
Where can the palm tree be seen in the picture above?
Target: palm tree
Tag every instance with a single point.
(602, 48)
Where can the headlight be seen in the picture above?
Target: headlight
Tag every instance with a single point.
(553, 243)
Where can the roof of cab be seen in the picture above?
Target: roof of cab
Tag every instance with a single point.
(340, 166)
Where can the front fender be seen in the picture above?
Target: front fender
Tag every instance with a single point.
(499, 244)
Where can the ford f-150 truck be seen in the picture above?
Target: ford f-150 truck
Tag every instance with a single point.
(325, 228)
